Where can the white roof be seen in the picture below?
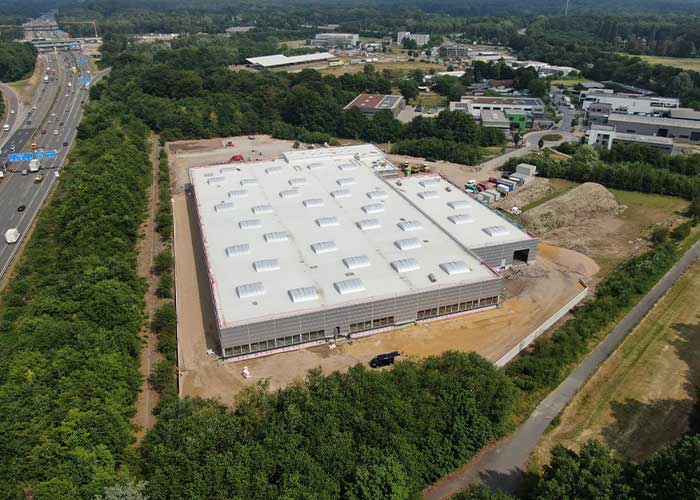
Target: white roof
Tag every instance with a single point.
(296, 259)
(457, 213)
(282, 60)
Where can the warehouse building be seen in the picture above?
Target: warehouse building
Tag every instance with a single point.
(628, 103)
(369, 104)
(335, 40)
(454, 51)
(656, 125)
(280, 60)
(321, 244)
(475, 105)
(605, 136)
(420, 38)
(495, 119)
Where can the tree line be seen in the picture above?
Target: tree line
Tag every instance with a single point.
(69, 321)
(17, 60)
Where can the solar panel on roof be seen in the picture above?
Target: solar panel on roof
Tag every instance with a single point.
(238, 193)
(273, 170)
(327, 221)
(262, 209)
(289, 193)
(455, 267)
(496, 231)
(304, 294)
(346, 287)
(429, 183)
(224, 206)
(250, 224)
(410, 225)
(341, 193)
(346, 181)
(322, 247)
(373, 208)
(266, 265)
(408, 244)
(313, 203)
(405, 265)
(297, 181)
(356, 262)
(250, 290)
(377, 194)
(460, 219)
(428, 195)
(368, 224)
(458, 204)
(276, 237)
(236, 250)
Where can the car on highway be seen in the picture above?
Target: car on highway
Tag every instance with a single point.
(55, 132)
(12, 111)
(38, 178)
(50, 122)
(53, 114)
(34, 107)
(6, 127)
(25, 172)
(21, 208)
(12, 147)
(34, 146)
(43, 131)
(61, 124)
(65, 144)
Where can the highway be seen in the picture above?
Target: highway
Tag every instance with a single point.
(51, 123)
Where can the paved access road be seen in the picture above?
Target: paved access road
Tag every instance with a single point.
(60, 102)
(500, 467)
(11, 112)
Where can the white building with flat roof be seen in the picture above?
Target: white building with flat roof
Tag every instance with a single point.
(279, 60)
(321, 244)
(632, 104)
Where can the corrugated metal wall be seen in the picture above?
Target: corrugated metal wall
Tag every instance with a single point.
(403, 309)
(498, 256)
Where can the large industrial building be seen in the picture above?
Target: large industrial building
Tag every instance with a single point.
(331, 243)
(605, 136)
(628, 103)
(280, 60)
(334, 40)
(656, 125)
(475, 105)
(420, 38)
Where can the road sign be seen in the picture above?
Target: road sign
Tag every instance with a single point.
(83, 59)
(84, 80)
(39, 155)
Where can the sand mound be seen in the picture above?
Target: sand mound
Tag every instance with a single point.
(527, 194)
(578, 206)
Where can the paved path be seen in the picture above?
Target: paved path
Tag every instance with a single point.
(500, 466)
(12, 105)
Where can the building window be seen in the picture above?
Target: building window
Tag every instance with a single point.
(368, 325)
(228, 351)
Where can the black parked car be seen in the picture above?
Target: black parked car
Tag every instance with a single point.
(385, 359)
(21, 208)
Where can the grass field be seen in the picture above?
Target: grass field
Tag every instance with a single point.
(398, 65)
(641, 397)
(435, 101)
(569, 82)
(676, 62)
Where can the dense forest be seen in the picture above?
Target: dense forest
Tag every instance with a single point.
(17, 61)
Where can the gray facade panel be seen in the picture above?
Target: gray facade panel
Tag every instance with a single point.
(404, 309)
(498, 256)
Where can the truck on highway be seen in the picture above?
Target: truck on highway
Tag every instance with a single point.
(6, 127)
(34, 165)
(46, 78)
(12, 235)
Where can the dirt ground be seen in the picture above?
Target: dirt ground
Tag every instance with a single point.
(607, 225)
(186, 154)
(531, 297)
(641, 398)
(148, 247)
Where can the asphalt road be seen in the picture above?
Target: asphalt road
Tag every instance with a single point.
(501, 466)
(12, 105)
(55, 97)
